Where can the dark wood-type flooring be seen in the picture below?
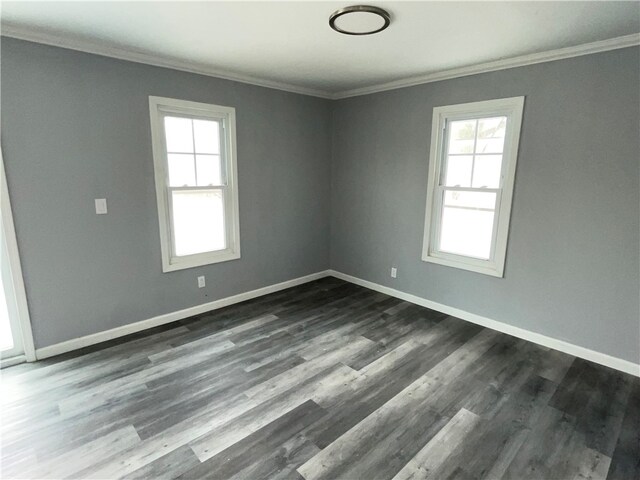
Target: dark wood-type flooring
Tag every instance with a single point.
(322, 381)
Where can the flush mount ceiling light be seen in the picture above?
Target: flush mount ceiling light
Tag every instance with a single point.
(359, 20)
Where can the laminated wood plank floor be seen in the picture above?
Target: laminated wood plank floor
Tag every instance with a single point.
(326, 380)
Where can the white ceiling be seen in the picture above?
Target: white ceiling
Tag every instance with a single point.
(291, 42)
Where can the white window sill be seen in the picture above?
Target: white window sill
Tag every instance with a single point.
(199, 260)
(488, 269)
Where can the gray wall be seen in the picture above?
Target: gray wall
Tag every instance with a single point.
(572, 269)
(76, 127)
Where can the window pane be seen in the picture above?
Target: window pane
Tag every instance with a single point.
(207, 135)
(198, 222)
(459, 171)
(491, 135)
(486, 171)
(461, 136)
(466, 232)
(178, 134)
(208, 170)
(470, 200)
(181, 170)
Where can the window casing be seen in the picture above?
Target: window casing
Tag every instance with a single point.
(472, 166)
(194, 154)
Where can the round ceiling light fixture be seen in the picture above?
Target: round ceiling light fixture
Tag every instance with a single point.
(359, 20)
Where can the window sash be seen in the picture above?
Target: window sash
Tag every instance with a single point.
(226, 213)
(444, 159)
(223, 176)
(441, 190)
(437, 223)
(224, 167)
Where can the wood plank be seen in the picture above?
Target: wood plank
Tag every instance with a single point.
(438, 449)
(264, 443)
(625, 462)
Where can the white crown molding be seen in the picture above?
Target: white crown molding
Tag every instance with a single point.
(32, 34)
(96, 48)
(549, 342)
(513, 62)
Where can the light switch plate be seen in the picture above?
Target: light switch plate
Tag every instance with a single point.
(101, 206)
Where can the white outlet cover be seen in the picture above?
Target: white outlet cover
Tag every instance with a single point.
(394, 272)
(201, 282)
(101, 206)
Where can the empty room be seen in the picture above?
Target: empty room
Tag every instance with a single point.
(320, 240)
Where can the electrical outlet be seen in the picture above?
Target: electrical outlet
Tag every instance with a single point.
(394, 272)
(201, 282)
(101, 206)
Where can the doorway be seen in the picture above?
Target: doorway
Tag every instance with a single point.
(10, 333)
(16, 343)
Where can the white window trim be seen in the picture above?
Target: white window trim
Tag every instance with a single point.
(228, 116)
(512, 108)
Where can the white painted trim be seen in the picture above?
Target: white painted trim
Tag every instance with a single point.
(32, 34)
(159, 106)
(503, 64)
(549, 342)
(10, 362)
(19, 292)
(512, 109)
(81, 342)
(569, 348)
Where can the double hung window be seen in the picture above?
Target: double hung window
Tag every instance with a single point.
(194, 151)
(471, 177)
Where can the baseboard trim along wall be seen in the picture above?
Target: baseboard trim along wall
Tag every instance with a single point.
(11, 361)
(88, 340)
(560, 345)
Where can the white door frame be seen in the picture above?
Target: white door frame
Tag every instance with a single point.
(20, 296)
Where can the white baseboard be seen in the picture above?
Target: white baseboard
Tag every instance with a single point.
(566, 347)
(81, 342)
(11, 361)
